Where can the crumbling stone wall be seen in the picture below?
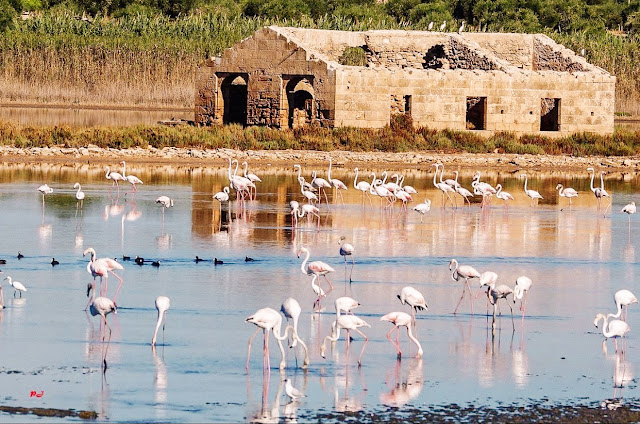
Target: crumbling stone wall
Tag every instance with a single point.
(545, 58)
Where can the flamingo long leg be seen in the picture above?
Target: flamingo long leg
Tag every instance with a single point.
(459, 301)
(249, 347)
(392, 342)
(366, 340)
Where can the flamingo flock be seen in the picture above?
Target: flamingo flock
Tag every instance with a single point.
(269, 320)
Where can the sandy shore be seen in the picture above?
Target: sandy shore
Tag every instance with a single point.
(190, 156)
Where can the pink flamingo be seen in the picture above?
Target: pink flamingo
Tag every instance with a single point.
(348, 322)
(339, 185)
(401, 319)
(466, 272)
(115, 177)
(267, 320)
(615, 329)
(363, 186)
(102, 306)
(413, 298)
(318, 268)
(503, 195)
(101, 267)
(163, 303)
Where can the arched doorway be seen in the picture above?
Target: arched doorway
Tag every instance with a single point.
(300, 102)
(234, 99)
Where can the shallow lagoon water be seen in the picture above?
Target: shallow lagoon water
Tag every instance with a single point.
(576, 258)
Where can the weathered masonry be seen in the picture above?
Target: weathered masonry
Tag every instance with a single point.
(291, 77)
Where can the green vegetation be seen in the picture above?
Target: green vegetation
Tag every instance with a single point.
(145, 52)
(400, 138)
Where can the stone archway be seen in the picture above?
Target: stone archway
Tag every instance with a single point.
(234, 99)
(300, 102)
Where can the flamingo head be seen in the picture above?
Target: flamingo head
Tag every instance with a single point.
(342, 239)
(559, 186)
(597, 319)
(89, 288)
(401, 299)
(89, 250)
(302, 250)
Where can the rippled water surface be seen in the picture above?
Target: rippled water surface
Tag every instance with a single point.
(576, 257)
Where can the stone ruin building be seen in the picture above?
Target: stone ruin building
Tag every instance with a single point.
(486, 82)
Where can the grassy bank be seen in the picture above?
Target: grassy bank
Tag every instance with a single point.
(144, 60)
(622, 143)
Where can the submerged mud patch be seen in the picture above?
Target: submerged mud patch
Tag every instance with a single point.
(49, 412)
(608, 411)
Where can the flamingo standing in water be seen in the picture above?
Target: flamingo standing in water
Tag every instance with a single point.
(115, 177)
(400, 319)
(321, 184)
(318, 268)
(445, 188)
(251, 177)
(308, 194)
(102, 306)
(423, 208)
(269, 321)
(348, 322)
(163, 303)
(503, 195)
(612, 329)
(101, 267)
(623, 298)
(466, 272)
(363, 186)
(44, 189)
(346, 249)
(337, 184)
(598, 192)
(520, 291)
(412, 297)
(291, 309)
(534, 195)
(131, 179)
(221, 196)
(345, 304)
(568, 192)
(629, 209)
(79, 195)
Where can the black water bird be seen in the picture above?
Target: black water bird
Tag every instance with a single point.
(139, 261)
(199, 259)
(155, 263)
(20, 255)
(126, 258)
(216, 261)
(248, 259)
(54, 262)
(3, 261)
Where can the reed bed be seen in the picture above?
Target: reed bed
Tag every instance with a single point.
(621, 143)
(144, 60)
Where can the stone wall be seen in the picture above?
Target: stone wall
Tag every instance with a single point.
(439, 98)
(265, 58)
(431, 74)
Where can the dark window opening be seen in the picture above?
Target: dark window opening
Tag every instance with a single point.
(407, 105)
(234, 99)
(550, 115)
(476, 113)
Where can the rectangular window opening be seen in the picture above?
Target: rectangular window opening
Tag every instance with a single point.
(476, 113)
(407, 105)
(550, 115)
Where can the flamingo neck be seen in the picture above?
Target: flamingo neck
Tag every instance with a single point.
(329, 174)
(526, 178)
(385, 177)
(229, 169)
(109, 172)
(593, 175)
(415, 340)
(124, 168)
(601, 181)
(306, 258)
(435, 183)
(355, 180)
(158, 323)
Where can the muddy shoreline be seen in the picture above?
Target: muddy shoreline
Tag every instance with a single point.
(204, 157)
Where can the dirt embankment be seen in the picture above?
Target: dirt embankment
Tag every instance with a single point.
(186, 156)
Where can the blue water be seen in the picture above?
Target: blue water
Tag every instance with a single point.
(576, 257)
